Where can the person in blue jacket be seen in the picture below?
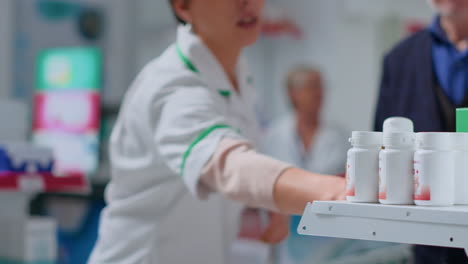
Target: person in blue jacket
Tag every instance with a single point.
(425, 78)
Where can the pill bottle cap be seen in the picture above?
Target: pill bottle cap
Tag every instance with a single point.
(434, 140)
(398, 124)
(399, 139)
(366, 138)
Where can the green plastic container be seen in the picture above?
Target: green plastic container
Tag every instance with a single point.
(462, 120)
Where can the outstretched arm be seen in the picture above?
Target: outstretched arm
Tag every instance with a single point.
(241, 174)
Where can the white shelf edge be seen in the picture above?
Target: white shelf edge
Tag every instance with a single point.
(423, 225)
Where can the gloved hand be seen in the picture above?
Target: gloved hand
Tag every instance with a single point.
(295, 188)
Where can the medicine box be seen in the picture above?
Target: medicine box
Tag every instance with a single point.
(462, 120)
(24, 157)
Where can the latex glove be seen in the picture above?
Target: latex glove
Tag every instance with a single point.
(295, 188)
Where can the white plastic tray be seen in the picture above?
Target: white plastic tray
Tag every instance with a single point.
(435, 226)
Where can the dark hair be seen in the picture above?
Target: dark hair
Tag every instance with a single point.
(179, 20)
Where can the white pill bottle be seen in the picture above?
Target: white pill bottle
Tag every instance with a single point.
(362, 170)
(396, 184)
(434, 169)
(460, 147)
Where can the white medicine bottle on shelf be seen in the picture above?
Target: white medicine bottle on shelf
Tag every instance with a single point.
(362, 170)
(434, 169)
(396, 184)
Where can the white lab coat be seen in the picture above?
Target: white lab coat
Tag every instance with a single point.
(327, 154)
(172, 118)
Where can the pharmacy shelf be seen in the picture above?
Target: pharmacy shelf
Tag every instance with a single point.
(43, 182)
(434, 226)
(18, 189)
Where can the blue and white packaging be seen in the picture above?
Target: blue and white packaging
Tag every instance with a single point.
(24, 157)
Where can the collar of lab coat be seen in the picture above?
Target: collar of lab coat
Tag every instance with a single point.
(204, 61)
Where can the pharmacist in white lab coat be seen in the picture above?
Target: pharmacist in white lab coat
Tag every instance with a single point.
(186, 130)
(300, 137)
